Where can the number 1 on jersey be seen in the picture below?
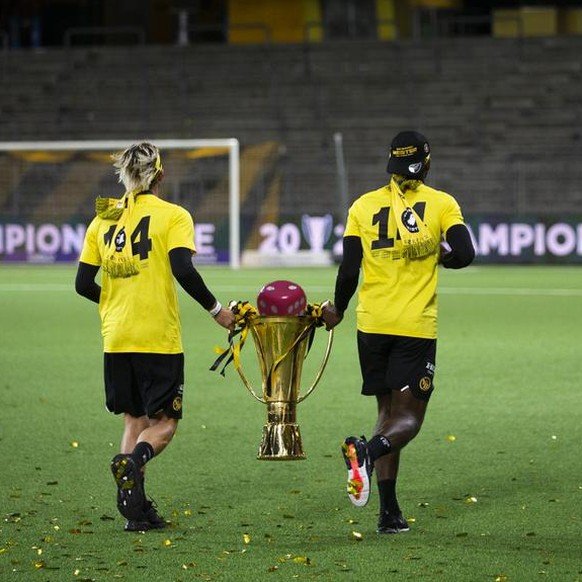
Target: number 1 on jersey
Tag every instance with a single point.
(381, 219)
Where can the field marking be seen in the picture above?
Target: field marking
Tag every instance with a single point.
(25, 287)
(527, 291)
(254, 289)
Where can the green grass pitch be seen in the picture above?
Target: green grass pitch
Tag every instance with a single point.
(492, 485)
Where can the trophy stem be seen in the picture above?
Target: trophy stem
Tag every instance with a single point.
(281, 436)
(281, 442)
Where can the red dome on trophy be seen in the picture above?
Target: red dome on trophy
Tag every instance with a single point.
(281, 298)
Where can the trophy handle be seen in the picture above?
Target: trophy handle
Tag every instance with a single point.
(247, 384)
(321, 368)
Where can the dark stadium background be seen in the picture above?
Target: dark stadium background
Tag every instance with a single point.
(313, 90)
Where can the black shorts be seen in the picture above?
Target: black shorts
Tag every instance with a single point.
(392, 362)
(144, 384)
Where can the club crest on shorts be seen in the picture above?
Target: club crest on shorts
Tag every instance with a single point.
(177, 402)
(409, 220)
(425, 383)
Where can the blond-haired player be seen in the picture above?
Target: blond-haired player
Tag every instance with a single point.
(142, 243)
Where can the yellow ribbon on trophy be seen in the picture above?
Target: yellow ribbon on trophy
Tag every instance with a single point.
(244, 312)
(315, 310)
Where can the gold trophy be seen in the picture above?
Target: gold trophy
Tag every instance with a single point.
(282, 343)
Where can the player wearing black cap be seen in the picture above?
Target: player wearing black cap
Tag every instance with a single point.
(409, 155)
(397, 235)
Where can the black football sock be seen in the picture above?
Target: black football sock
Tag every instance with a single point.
(142, 453)
(378, 446)
(388, 501)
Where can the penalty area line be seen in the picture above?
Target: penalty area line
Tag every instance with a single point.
(509, 291)
(524, 291)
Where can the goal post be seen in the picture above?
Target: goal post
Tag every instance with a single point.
(47, 191)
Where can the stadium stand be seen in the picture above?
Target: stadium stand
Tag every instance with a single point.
(504, 115)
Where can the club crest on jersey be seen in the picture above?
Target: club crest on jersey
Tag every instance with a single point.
(409, 221)
(120, 239)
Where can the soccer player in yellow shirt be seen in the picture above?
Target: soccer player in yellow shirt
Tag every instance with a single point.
(396, 235)
(141, 243)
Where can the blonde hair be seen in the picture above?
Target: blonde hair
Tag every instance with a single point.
(138, 167)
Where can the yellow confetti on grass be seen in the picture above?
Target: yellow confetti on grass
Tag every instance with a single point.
(167, 543)
(451, 438)
(296, 559)
(356, 535)
(246, 538)
(75, 444)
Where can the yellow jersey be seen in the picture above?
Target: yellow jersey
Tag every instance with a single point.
(397, 295)
(141, 313)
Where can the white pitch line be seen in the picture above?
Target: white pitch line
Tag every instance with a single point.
(510, 291)
(533, 292)
(25, 287)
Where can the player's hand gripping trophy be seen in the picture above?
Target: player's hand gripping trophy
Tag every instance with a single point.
(282, 330)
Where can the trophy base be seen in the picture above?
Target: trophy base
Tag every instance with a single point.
(281, 442)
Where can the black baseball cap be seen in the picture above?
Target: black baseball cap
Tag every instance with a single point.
(409, 155)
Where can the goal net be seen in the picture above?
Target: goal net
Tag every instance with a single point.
(48, 191)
